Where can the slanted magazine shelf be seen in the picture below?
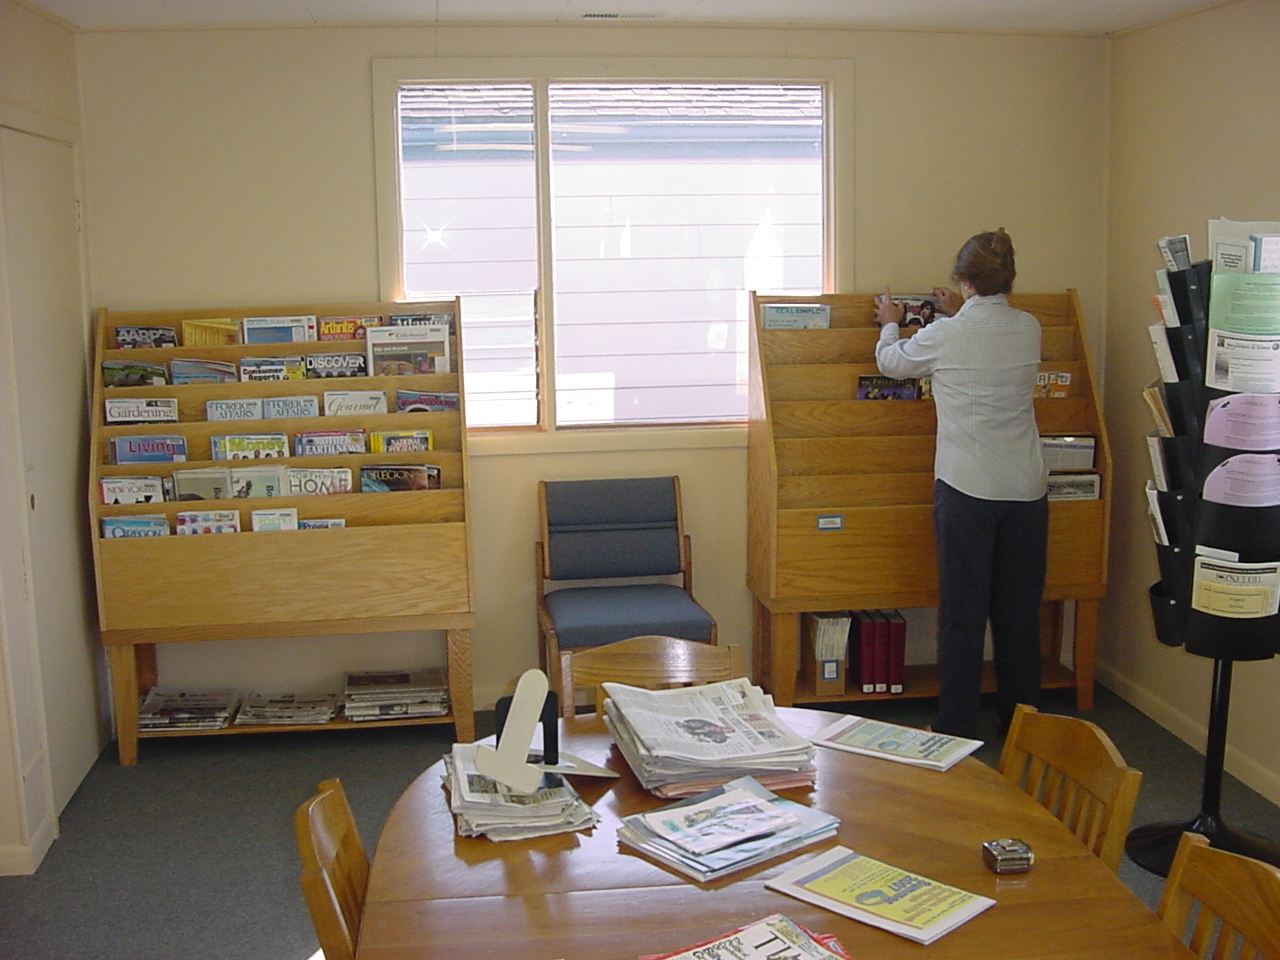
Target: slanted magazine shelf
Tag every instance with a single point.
(840, 492)
(402, 562)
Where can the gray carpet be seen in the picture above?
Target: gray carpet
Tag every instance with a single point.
(191, 854)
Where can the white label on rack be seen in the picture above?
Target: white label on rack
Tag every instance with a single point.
(831, 522)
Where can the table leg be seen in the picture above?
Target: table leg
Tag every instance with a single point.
(459, 652)
(123, 660)
(1085, 651)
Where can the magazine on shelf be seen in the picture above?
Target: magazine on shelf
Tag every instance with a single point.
(277, 329)
(124, 410)
(319, 480)
(148, 448)
(1068, 453)
(281, 518)
(132, 489)
(795, 316)
(134, 373)
(249, 446)
(396, 351)
(891, 741)
(1053, 383)
(192, 522)
(340, 403)
(1075, 486)
(249, 408)
(770, 938)
(328, 443)
(210, 332)
(138, 525)
(918, 309)
(254, 369)
(875, 387)
(267, 480)
(884, 896)
(321, 523)
(400, 441)
(195, 370)
(387, 477)
(132, 337)
(750, 823)
(278, 408)
(423, 401)
(336, 365)
(345, 328)
(420, 319)
(202, 483)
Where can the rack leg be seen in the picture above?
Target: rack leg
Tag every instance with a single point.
(123, 660)
(1153, 845)
(784, 633)
(459, 653)
(1084, 651)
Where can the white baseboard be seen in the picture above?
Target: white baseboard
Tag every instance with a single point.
(1240, 766)
(18, 860)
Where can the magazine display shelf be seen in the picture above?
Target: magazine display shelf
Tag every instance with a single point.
(401, 563)
(815, 451)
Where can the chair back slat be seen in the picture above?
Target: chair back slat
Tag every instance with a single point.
(651, 662)
(1074, 771)
(1222, 904)
(335, 869)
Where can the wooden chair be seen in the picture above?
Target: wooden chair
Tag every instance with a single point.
(335, 869)
(627, 536)
(1072, 768)
(651, 662)
(1221, 904)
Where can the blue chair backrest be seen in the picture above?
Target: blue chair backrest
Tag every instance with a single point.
(612, 528)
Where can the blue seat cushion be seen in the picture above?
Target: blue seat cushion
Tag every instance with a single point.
(593, 616)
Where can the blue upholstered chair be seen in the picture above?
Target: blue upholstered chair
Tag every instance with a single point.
(608, 531)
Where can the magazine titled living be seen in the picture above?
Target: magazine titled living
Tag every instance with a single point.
(890, 741)
(881, 895)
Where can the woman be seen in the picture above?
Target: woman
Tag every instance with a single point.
(990, 510)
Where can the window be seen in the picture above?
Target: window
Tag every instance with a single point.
(642, 211)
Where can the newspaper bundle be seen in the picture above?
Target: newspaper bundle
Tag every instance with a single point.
(484, 807)
(683, 741)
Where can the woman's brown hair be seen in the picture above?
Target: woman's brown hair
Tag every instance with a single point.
(986, 263)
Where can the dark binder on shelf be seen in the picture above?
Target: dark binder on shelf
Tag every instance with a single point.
(864, 628)
(1180, 454)
(1177, 510)
(897, 650)
(1190, 291)
(1175, 569)
(1184, 403)
(1187, 348)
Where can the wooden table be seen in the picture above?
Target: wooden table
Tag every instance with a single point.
(435, 896)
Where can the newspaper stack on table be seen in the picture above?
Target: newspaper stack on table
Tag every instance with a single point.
(169, 709)
(395, 694)
(484, 807)
(683, 741)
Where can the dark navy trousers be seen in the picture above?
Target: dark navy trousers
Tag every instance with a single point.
(991, 568)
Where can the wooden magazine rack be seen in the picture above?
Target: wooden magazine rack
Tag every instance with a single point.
(401, 563)
(815, 451)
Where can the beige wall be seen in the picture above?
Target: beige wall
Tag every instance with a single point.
(1195, 136)
(237, 167)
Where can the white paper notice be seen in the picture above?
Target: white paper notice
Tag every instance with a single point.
(1240, 590)
(1244, 421)
(1245, 480)
(1244, 333)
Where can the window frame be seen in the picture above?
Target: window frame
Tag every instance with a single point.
(389, 75)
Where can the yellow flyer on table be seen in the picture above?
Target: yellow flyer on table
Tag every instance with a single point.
(881, 895)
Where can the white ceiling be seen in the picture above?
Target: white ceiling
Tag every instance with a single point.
(1039, 16)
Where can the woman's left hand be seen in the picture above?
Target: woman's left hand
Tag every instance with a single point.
(888, 310)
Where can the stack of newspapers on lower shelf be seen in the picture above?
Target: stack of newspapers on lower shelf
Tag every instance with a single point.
(170, 709)
(682, 741)
(395, 694)
(281, 708)
(725, 829)
(484, 807)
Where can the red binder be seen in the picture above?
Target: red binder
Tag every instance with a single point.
(897, 650)
(881, 633)
(863, 649)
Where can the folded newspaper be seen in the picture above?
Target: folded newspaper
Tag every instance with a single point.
(484, 807)
(683, 741)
